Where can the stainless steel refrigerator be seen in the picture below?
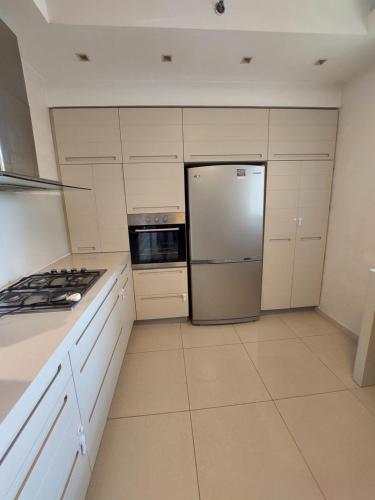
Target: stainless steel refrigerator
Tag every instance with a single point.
(226, 215)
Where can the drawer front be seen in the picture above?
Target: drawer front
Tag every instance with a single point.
(47, 467)
(162, 306)
(160, 281)
(33, 429)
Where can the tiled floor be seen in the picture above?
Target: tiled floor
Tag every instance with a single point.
(257, 411)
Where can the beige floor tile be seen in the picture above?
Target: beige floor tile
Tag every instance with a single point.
(336, 435)
(222, 375)
(146, 458)
(199, 336)
(366, 395)
(267, 328)
(289, 368)
(307, 323)
(246, 453)
(155, 337)
(337, 352)
(150, 382)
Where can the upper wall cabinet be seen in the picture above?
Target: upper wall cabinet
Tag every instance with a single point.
(225, 134)
(151, 135)
(87, 135)
(302, 134)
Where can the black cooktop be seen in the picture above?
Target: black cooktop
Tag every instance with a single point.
(51, 291)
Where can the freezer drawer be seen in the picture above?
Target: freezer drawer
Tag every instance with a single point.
(225, 293)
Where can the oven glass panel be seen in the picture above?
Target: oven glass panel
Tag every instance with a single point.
(157, 244)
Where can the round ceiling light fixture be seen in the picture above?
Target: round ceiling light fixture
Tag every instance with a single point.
(220, 7)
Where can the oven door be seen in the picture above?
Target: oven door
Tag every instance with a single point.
(157, 246)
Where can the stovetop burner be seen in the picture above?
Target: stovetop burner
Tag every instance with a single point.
(50, 291)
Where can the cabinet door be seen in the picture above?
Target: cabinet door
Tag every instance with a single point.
(81, 209)
(225, 134)
(152, 187)
(162, 306)
(302, 134)
(108, 184)
(282, 195)
(87, 135)
(151, 134)
(314, 200)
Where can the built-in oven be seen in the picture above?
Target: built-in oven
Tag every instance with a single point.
(157, 240)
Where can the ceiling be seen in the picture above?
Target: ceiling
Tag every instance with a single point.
(125, 41)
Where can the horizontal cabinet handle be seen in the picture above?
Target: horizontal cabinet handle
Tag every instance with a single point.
(179, 271)
(72, 158)
(73, 466)
(86, 248)
(56, 419)
(122, 272)
(122, 291)
(280, 239)
(182, 296)
(157, 207)
(147, 157)
(30, 415)
(256, 155)
(158, 230)
(311, 238)
(326, 155)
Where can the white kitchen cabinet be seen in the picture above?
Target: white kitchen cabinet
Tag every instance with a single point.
(87, 135)
(151, 135)
(225, 134)
(161, 293)
(302, 134)
(97, 218)
(154, 187)
(297, 210)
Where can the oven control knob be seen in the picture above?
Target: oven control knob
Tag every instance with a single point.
(165, 218)
(148, 219)
(156, 219)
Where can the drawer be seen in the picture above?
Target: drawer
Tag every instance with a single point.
(46, 469)
(162, 306)
(33, 429)
(160, 281)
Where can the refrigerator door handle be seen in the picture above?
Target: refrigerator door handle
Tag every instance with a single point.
(227, 261)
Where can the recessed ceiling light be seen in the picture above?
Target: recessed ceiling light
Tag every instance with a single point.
(83, 57)
(320, 62)
(166, 58)
(246, 60)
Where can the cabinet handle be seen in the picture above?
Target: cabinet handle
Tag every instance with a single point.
(280, 239)
(30, 415)
(325, 155)
(122, 272)
(56, 419)
(70, 475)
(86, 248)
(147, 157)
(73, 158)
(182, 296)
(311, 238)
(158, 207)
(255, 155)
(163, 271)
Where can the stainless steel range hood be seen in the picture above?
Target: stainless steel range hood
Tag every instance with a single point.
(18, 163)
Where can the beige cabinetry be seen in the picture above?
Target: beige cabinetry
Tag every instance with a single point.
(161, 293)
(297, 209)
(302, 134)
(151, 135)
(96, 218)
(154, 187)
(225, 134)
(87, 135)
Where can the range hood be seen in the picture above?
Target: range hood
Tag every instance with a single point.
(18, 163)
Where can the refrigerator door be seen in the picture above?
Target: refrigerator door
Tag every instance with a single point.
(225, 293)
(226, 207)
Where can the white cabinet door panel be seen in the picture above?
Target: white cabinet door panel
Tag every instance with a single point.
(160, 281)
(162, 306)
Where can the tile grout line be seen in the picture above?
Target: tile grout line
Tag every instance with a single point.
(257, 371)
(191, 420)
(299, 450)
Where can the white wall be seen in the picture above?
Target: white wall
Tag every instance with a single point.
(351, 234)
(32, 227)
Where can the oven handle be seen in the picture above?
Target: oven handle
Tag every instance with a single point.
(158, 230)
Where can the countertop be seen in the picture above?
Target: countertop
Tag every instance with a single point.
(31, 343)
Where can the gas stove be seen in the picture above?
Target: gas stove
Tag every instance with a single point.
(51, 291)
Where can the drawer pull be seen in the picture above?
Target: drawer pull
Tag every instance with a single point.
(179, 271)
(182, 296)
(42, 447)
(102, 302)
(280, 239)
(255, 155)
(158, 207)
(325, 155)
(97, 338)
(86, 248)
(70, 475)
(105, 374)
(311, 238)
(73, 158)
(147, 157)
(30, 415)
(122, 272)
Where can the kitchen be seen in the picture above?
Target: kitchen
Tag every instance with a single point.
(187, 251)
